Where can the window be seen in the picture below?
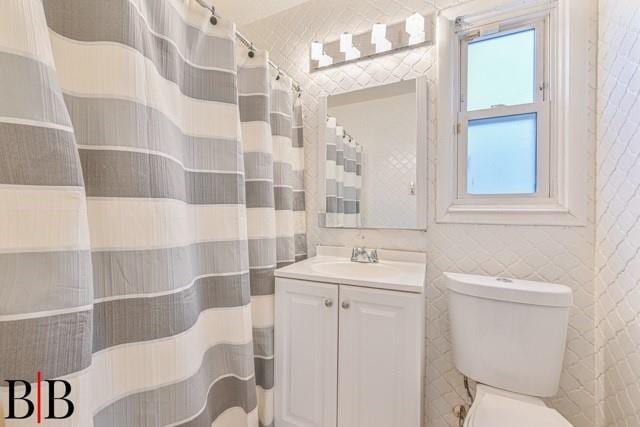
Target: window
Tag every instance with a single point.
(503, 131)
(513, 96)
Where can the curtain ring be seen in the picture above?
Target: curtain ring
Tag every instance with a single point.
(213, 19)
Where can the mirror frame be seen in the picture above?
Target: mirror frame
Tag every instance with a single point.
(422, 174)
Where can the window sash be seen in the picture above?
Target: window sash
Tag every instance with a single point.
(540, 27)
(543, 184)
(541, 106)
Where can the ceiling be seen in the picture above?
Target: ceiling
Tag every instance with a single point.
(246, 11)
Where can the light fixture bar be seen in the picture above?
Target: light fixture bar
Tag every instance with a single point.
(416, 30)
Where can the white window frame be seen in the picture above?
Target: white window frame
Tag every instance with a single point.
(561, 105)
(540, 105)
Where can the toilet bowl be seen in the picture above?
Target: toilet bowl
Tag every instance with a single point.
(509, 336)
(498, 408)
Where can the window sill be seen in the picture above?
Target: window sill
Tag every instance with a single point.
(551, 215)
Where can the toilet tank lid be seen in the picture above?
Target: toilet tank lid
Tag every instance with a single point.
(510, 290)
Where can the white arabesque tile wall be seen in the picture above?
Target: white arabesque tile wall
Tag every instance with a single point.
(618, 215)
(555, 254)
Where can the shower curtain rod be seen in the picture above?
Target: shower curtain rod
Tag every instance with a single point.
(249, 44)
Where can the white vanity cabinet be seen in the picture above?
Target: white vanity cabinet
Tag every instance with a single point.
(347, 356)
(306, 354)
(379, 358)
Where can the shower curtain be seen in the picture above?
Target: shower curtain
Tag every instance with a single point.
(137, 244)
(274, 167)
(343, 177)
(297, 180)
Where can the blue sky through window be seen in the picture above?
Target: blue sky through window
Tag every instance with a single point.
(501, 155)
(502, 151)
(501, 70)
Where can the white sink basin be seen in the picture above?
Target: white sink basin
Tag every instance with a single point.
(355, 269)
(396, 271)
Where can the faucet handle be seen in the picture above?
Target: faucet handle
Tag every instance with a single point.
(355, 253)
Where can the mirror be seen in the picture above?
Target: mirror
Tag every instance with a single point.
(373, 157)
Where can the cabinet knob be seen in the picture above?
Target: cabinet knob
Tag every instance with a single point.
(328, 302)
(346, 304)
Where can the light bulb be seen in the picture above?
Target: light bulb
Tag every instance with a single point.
(346, 42)
(378, 33)
(316, 51)
(414, 26)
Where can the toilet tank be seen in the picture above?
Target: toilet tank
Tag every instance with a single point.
(507, 333)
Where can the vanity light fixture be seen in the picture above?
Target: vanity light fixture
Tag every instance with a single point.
(317, 51)
(414, 26)
(347, 47)
(346, 42)
(379, 38)
(411, 32)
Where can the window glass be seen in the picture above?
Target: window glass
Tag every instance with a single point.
(501, 155)
(501, 70)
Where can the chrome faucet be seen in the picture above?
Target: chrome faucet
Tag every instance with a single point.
(364, 255)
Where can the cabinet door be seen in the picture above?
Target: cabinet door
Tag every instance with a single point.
(306, 354)
(380, 361)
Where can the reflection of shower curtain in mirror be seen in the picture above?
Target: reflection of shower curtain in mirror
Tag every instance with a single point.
(343, 177)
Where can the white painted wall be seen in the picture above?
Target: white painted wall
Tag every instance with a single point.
(386, 129)
(557, 254)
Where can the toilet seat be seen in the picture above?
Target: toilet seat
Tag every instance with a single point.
(498, 408)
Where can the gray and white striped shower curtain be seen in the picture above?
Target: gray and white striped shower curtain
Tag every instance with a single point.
(343, 172)
(275, 213)
(137, 243)
(297, 181)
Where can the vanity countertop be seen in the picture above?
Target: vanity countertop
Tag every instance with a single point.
(397, 270)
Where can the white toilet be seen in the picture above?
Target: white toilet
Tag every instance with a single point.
(509, 336)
